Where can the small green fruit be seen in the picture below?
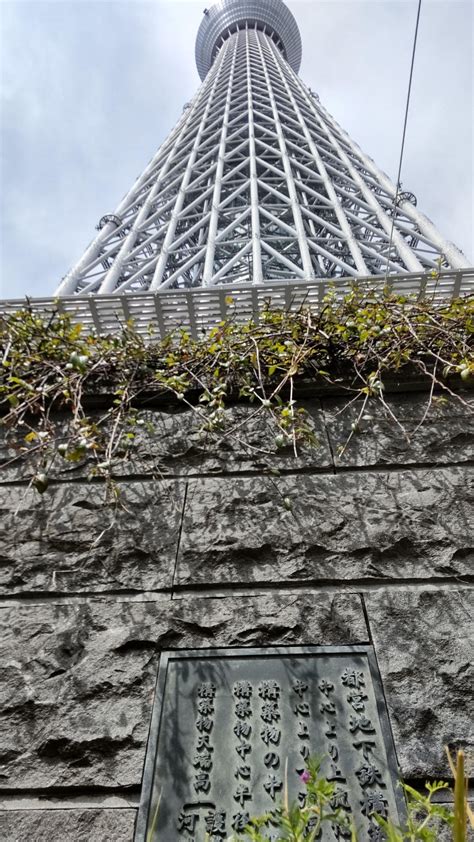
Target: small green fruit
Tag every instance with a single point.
(40, 482)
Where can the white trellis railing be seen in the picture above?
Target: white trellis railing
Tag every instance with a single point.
(157, 314)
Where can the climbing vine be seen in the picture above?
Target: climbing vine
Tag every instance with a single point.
(425, 820)
(323, 805)
(51, 366)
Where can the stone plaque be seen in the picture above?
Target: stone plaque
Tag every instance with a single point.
(228, 723)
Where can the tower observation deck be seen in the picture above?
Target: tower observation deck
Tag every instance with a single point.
(257, 183)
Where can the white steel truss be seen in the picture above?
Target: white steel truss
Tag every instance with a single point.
(257, 183)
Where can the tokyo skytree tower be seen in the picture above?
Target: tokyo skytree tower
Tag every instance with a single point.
(257, 182)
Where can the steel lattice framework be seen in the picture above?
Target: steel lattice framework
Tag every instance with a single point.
(257, 182)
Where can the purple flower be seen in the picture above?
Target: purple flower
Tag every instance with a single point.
(305, 776)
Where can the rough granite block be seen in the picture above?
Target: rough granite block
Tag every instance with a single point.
(70, 540)
(171, 441)
(424, 642)
(97, 825)
(445, 435)
(246, 443)
(351, 526)
(77, 681)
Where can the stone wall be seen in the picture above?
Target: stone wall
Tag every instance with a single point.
(239, 544)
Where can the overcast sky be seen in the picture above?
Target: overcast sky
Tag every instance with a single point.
(90, 88)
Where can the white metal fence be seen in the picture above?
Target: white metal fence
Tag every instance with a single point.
(159, 313)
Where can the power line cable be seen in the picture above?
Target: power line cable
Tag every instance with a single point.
(405, 122)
